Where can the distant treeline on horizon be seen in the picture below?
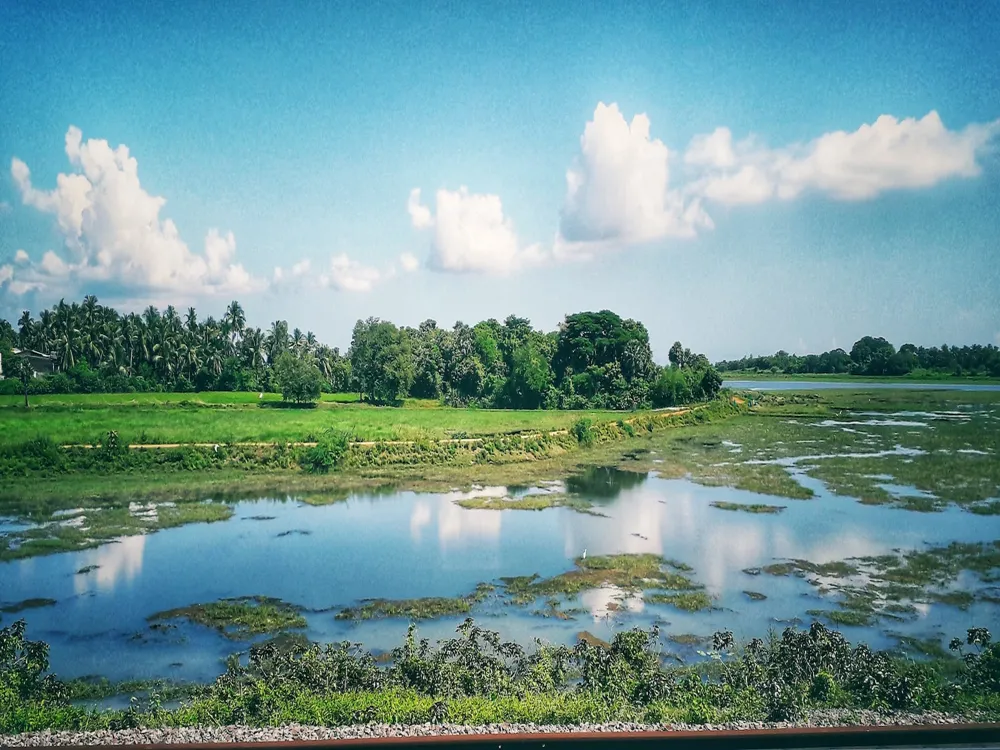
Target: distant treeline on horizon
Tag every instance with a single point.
(876, 356)
(594, 359)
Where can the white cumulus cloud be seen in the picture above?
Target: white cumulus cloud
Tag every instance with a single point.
(113, 230)
(471, 233)
(409, 262)
(713, 150)
(888, 154)
(349, 275)
(618, 190)
(21, 257)
(6, 273)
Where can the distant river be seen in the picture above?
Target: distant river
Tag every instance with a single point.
(817, 385)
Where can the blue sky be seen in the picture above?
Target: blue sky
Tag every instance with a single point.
(303, 129)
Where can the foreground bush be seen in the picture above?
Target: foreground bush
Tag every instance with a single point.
(477, 678)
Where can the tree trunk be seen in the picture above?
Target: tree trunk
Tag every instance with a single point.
(25, 395)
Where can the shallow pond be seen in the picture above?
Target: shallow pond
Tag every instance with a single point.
(411, 545)
(812, 385)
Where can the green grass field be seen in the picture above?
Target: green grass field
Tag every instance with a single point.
(243, 417)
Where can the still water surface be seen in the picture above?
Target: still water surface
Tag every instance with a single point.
(407, 545)
(809, 385)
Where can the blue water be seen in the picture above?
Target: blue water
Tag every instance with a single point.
(408, 545)
(811, 385)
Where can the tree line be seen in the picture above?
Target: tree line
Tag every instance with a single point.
(875, 356)
(593, 359)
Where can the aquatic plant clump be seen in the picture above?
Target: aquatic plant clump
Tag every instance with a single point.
(239, 618)
(539, 501)
(416, 609)
(888, 587)
(749, 507)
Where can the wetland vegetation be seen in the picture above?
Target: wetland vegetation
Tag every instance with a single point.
(477, 678)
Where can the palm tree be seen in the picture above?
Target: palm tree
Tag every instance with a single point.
(254, 348)
(298, 342)
(26, 330)
(277, 340)
(236, 319)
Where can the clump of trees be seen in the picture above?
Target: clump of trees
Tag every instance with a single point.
(872, 355)
(593, 360)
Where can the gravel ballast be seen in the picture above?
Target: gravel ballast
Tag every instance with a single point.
(828, 718)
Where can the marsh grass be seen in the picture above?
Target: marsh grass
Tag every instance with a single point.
(627, 572)
(21, 606)
(239, 618)
(425, 608)
(103, 525)
(891, 585)
(689, 601)
(748, 507)
(539, 501)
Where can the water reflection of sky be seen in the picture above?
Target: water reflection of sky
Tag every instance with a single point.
(409, 545)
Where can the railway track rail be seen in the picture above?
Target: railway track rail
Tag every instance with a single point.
(954, 736)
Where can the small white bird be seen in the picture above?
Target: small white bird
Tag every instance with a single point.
(261, 395)
(584, 553)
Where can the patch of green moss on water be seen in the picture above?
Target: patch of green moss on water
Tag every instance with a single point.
(553, 609)
(98, 526)
(755, 596)
(25, 604)
(891, 585)
(539, 501)
(961, 599)
(748, 507)
(835, 569)
(689, 601)
(633, 572)
(689, 639)
(87, 569)
(848, 617)
(239, 618)
(425, 608)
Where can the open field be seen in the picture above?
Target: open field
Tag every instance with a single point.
(243, 417)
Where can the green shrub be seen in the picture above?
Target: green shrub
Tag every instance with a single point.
(330, 452)
(583, 431)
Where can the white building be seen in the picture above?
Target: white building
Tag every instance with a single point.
(41, 363)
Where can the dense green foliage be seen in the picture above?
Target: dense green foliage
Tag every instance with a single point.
(596, 360)
(876, 356)
(477, 678)
(298, 378)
